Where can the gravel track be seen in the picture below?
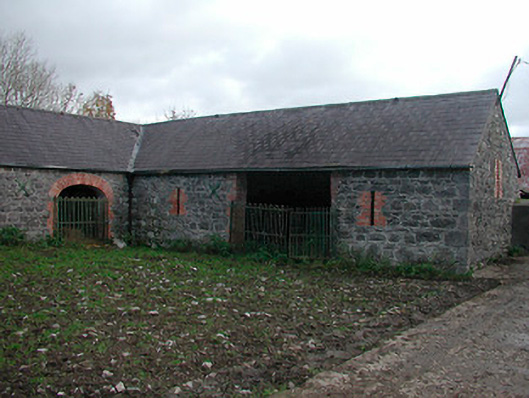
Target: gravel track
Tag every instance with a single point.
(479, 348)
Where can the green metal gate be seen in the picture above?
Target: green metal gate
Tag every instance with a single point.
(298, 232)
(81, 218)
(311, 233)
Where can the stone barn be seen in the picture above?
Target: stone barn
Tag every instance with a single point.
(429, 178)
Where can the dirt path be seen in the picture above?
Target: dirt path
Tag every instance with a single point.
(480, 348)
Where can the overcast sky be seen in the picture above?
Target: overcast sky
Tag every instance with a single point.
(224, 56)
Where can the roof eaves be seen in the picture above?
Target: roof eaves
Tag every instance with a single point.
(302, 169)
(53, 167)
(330, 105)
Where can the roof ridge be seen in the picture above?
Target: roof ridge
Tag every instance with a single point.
(234, 114)
(428, 130)
(332, 105)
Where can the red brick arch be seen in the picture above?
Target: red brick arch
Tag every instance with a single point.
(79, 179)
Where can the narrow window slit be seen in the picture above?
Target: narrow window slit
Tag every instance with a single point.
(372, 208)
(178, 201)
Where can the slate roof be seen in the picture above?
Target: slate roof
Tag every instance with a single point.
(36, 138)
(429, 131)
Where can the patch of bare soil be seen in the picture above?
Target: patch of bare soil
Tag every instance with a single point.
(171, 328)
(477, 349)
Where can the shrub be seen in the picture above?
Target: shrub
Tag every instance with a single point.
(516, 251)
(130, 239)
(11, 236)
(265, 254)
(182, 245)
(53, 241)
(216, 245)
(370, 265)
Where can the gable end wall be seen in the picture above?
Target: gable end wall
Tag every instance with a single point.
(490, 217)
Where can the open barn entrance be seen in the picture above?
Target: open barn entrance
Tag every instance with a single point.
(291, 212)
(82, 213)
(297, 190)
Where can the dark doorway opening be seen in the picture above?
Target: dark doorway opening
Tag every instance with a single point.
(81, 191)
(290, 212)
(299, 190)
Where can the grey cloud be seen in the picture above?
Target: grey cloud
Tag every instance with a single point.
(152, 55)
(297, 72)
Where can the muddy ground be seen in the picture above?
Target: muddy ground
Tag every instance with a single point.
(477, 349)
(97, 323)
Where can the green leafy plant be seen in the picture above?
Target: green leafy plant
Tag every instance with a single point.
(216, 245)
(130, 239)
(369, 265)
(51, 241)
(11, 236)
(182, 245)
(516, 251)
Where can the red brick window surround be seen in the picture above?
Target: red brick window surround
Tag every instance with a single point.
(498, 179)
(177, 199)
(79, 179)
(371, 204)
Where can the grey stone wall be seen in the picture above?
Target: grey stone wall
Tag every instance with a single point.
(419, 216)
(202, 210)
(25, 199)
(490, 214)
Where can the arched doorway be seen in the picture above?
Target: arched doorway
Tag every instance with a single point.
(82, 213)
(80, 207)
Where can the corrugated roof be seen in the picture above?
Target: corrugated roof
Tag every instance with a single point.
(429, 131)
(36, 138)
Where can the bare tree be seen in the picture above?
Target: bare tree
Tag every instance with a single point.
(185, 113)
(71, 99)
(24, 81)
(29, 82)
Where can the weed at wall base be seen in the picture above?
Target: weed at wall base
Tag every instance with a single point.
(51, 241)
(517, 251)
(379, 267)
(216, 245)
(11, 236)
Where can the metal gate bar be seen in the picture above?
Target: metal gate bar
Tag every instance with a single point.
(311, 233)
(298, 232)
(267, 225)
(81, 218)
